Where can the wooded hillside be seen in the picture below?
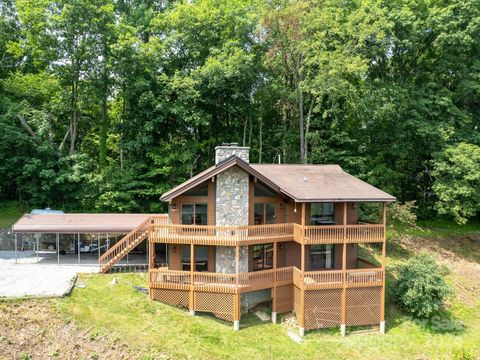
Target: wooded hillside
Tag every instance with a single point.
(106, 104)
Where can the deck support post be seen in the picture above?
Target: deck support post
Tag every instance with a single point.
(191, 303)
(58, 248)
(384, 251)
(16, 247)
(151, 255)
(78, 247)
(301, 316)
(98, 245)
(343, 322)
(236, 311)
(38, 245)
(274, 290)
(236, 296)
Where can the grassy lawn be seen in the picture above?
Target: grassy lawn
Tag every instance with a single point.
(123, 318)
(10, 212)
(159, 330)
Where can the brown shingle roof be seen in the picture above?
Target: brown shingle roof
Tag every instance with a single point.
(303, 183)
(309, 183)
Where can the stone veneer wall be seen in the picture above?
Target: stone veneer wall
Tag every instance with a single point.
(224, 152)
(231, 206)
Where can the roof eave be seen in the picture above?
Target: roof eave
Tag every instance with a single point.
(224, 165)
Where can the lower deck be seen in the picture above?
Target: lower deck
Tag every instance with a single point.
(318, 297)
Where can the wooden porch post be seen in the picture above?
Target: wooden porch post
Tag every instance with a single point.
(151, 254)
(274, 289)
(384, 251)
(301, 316)
(343, 324)
(191, 305)
(236, 295)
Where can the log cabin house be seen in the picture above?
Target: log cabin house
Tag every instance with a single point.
(239, 234)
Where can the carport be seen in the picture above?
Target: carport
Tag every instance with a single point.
(73, 239)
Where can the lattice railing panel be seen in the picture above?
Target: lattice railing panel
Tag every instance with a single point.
(363, 306)
(297, 307)
(322, 308)
(221, 305)
(172, 297)
(284, 299)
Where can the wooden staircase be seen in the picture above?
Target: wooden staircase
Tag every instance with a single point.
(129, 242)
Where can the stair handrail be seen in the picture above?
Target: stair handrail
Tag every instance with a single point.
(120, 244)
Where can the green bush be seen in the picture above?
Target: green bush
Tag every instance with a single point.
(421, 288)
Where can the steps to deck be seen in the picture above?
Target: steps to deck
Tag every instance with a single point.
(129, 242)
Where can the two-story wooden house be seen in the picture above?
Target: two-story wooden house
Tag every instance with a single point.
(238, 234)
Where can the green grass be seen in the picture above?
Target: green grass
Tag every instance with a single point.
(154, 328)
(439, 228)
(10, 212)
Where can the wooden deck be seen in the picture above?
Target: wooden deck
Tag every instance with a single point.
(163, 278)
(258, 234)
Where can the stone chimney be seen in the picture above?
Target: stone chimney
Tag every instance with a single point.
(231, 205)
(224, 151)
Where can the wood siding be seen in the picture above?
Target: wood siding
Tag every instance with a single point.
(176, 214)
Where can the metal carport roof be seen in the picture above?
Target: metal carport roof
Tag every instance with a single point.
(78, 223)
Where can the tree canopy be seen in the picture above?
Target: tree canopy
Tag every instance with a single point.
(106, 104)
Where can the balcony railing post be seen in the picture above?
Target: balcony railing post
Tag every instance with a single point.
(274, 290)
(384, 249)
(343, 325)
(191, 303)
(301, 316)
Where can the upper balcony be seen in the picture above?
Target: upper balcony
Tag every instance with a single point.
(259, 234)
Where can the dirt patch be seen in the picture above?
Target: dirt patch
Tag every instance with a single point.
(461, 255)
(31, 329)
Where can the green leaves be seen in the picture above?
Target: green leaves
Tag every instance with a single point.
(421, 288)
(457, 183)
(385, 89)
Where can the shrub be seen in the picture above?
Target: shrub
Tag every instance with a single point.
(421, 288)
(403, 214)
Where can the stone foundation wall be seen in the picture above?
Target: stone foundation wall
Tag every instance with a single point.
(252, 299)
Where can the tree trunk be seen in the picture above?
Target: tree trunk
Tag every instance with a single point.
(260, 140)
(301, 124)
(73, 117)
(307, 129)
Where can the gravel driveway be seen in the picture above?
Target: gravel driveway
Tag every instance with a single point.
(20, 280)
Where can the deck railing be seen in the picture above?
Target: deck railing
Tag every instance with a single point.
(252, 281)
(220, 235)
(258, 234)
(128, 242)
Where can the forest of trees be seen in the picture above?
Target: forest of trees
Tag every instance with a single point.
(106, 104)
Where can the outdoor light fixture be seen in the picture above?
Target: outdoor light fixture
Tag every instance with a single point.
(281, 205)
(174, 206)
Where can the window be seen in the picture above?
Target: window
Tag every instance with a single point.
(262, 257)
(194, 214)
(322, 257)
(199, 190)
(201, 258)
(322, 214)
(264, 213)
(263, 191)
